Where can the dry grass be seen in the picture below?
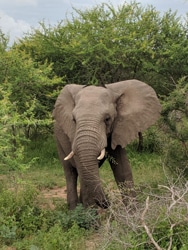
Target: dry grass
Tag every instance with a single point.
(155, 220)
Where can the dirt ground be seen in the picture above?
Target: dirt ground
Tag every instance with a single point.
(56, 192)
(50, 196)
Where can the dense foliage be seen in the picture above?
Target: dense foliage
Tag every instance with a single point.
(175, 122)
(27, 94)
(106, 44)
(21, 217)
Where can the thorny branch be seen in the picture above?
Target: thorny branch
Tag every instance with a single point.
(177, 198)
(146, 227)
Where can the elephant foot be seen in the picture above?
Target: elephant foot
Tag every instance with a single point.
(128, 201)
(72, 206)
(128, 192)
(103, 204)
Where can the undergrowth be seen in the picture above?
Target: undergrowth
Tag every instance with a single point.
(25, 225)
(157, 219)
(157, 222)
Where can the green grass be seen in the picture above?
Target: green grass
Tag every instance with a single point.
(147, 169)
(47, 172)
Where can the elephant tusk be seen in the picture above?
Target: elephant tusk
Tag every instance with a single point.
(69, 156)
(101, 156)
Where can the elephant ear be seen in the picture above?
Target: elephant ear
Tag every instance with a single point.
(64, 105)
(137, 108)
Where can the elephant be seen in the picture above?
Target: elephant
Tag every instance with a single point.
(94, 122)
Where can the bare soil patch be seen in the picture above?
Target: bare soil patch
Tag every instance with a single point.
(49, 197)
(56, 192)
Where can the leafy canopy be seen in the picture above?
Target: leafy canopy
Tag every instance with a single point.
(107, 44)
(27, 94)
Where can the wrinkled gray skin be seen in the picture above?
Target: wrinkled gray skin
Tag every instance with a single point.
(89, 119)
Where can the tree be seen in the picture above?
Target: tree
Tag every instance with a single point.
(175, 117)
(27, 94)
(105, 44)
(3, 42)
(32, 87)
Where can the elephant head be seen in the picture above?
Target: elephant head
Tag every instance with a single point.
(93, 119)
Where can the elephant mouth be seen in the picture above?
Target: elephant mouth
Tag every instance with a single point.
(100, 157)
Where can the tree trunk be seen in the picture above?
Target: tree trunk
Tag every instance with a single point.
(140, 142)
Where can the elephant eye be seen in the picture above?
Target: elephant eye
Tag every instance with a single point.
(107, 120)
(73, 118)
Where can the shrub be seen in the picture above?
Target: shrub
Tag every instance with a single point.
(19, 215)
(149, 141)
(55, 238)
(84, 218)
(153, 141)
(157, 221)
(176, 158)
(21, 218)
(175, 119)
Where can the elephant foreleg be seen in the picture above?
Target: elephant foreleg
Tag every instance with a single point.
(122, 172)
(71, 176)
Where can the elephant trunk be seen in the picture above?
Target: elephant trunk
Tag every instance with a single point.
(88, 146)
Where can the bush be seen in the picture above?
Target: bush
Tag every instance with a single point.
(19, 215)
(11, 141)
(22, 218)
(156, 221)
(175, 119)
(84, 218)
(150, 141)
(176, 158)
(56, 238)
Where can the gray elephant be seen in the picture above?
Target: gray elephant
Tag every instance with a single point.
(92, 120)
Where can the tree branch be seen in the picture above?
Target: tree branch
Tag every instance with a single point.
(146, 227)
